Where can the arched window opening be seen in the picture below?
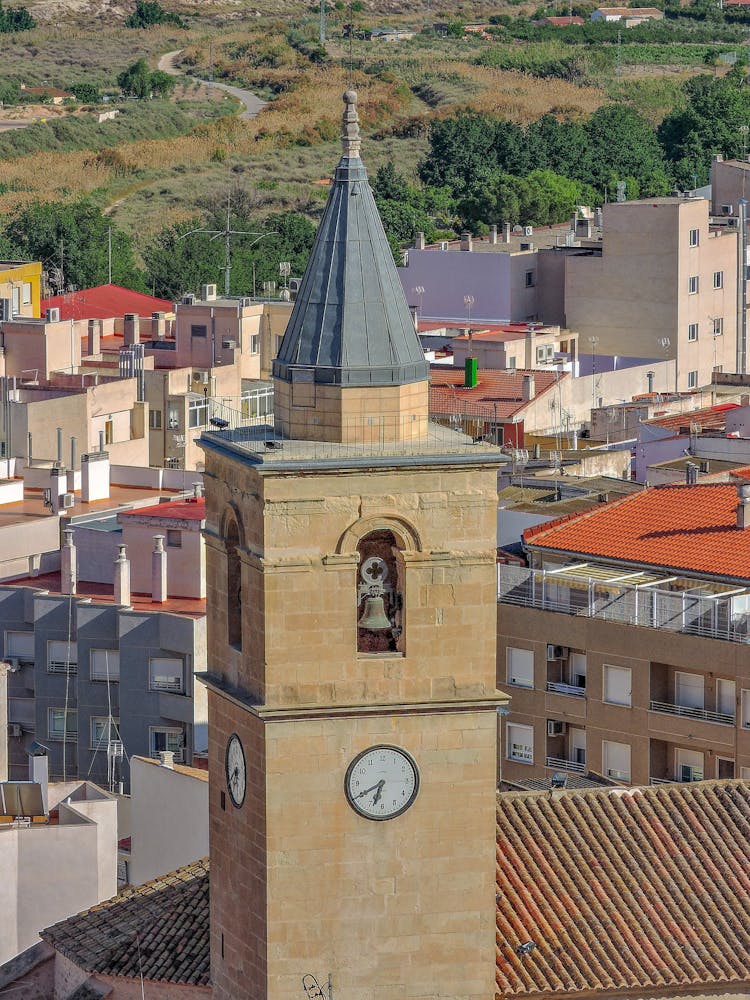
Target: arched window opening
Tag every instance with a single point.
(234, 585)
(380, 606)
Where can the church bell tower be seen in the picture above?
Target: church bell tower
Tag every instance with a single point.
(351, 651)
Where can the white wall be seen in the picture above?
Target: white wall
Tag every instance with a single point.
(169, 819)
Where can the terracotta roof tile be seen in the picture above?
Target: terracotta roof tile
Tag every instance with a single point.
(497, 395)
(642, 889)
(709, 418)
(160, 929)
(190, 509)
(690, 528)
(105, 302)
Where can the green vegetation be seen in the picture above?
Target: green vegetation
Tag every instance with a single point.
(147, 13)
(14, 19)
(139, 81)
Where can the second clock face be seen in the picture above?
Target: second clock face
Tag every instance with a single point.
(236, 770)
(381, 782)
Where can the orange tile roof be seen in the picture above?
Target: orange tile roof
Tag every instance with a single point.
(709, 418)
(679, 527)
(103, 593)
(627, 890)
(189, 509)
(497, 394)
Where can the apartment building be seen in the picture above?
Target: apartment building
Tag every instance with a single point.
(20, 288)
(520, 345)
(662, 285)
(624, 644)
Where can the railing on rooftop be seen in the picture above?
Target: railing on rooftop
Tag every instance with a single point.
(722, 718)
(561, 764)
(715, 616)
(251, 409)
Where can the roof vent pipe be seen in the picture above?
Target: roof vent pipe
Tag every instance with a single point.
(493, 235)
(691, 474)
(122, 577)
(166, 759)
(528, 388)
(68, 563)
(743, 507)
(466, 241)
(650, 377)
(158, 571)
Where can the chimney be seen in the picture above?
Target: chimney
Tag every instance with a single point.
(528, 388)
(506, 233)
(743, 507)
(466, 243)
(419, 242)
(158, 571)
(691, 474)
(650, 378)
(166, 759)
(197, 491)
(493, 235)
(122, 577)
(94, 336)
(130, 329)
(158, 325)
(68, 564)
(598, 218)
(39, 770)
(59, 445)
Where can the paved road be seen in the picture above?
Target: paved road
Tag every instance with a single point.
(252, 103)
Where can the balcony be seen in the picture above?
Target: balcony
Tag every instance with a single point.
(702, 714)
(557, 687)
(648, 599)
(561, 764)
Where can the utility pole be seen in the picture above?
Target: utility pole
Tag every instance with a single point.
(210, 64)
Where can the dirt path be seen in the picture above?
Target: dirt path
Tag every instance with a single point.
(251, 102)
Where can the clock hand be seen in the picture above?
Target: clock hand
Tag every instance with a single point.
(381, 785)
(368, 790)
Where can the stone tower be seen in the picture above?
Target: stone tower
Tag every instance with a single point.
(352, 620)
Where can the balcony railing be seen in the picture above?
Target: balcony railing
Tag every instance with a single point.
(557, 687)
(570, 590)
(560, 764)
(722, 718)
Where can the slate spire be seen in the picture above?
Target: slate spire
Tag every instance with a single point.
(351, 325)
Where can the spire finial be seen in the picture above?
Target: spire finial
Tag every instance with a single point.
(350, 133)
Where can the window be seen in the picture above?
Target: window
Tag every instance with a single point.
(198, 413)
(198, 330)
(688, 765)
(15, 300)
(520, 745)
(718, 279)
(617, 685)
(578, 669)
(745, 706)
(529, 279)
(718, 322)
(174, 538)
(166, 739)
(693, 331)
(694, 237)
(154, 420)
(27, 293)
(20, 646)
(520, 664)
(173, 417)
(104, 664)
(725, 697)
(102, 731)
(745, 773)
(62, 657)
(724, 767)
(166, 674)
(56, 727)
(692, 380)
(688, 690)
(109, 432)
(512, 362)
(693, 284)
(616, 760)
(254, 343)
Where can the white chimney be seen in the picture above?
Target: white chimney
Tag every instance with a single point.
(493, 235)
(166, 759)
(466, 242)
(743, 507)
(528, 388)
(94, 336)
(506, 229)
(419, 241)
(131, 329)
(122, 577)
(39, 771)
(68, 564)
(158, 325)
(159, 571)
(197, 491)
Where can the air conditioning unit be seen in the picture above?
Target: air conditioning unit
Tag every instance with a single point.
(68, 500)
(528, 230)
(727, 209)
(201, 376)
(556, 652)
(15, 730)
(208, 292)
(188, 300)
(555, 728)
(444, 244)
(246, 302)
(229, 345)
(52, 315)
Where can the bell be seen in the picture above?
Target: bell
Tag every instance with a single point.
(374, 616)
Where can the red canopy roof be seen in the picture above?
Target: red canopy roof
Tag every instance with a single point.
(105, 302)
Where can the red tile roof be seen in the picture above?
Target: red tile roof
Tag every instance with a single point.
(497, 394)
(190, 509)
(563, 22)
(628, 890)
(103, 593)
(690, 528)
(105, 302)
(709, 418)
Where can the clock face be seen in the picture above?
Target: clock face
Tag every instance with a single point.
(236, 770)
(381, 782)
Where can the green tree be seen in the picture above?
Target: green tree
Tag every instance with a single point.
(162, 84)
(136, 80)
(148, 13)
(73, 237)
(86, 93)
(622, 144)
(14, 19)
